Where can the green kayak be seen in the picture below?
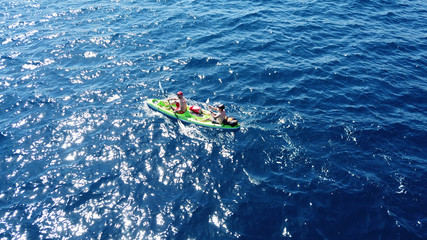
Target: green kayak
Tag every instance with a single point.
(201, 118)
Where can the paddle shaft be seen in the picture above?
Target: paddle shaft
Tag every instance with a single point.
(163, 91)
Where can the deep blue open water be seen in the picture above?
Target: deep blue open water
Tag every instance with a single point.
(331, 96)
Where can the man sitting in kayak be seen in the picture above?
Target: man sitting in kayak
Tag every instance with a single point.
(218, 117)
(181, 104)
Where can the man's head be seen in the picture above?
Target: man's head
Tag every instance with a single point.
(179, 94)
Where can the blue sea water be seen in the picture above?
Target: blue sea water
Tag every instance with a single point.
(331, 96)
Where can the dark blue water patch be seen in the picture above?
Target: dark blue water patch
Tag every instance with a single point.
(392, 136)
(265, 219)
(335, 210)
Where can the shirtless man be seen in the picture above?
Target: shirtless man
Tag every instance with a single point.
(218, 117)
(181, 103)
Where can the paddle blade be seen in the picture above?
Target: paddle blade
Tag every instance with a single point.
(161, 89)
(160, 86)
